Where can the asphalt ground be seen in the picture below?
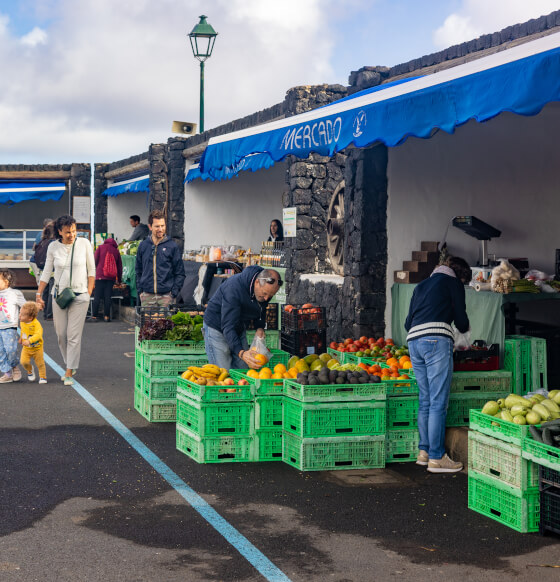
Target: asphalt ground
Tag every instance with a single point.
(78, 503)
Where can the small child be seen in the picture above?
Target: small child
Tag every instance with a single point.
(10, 301)
(32, 342)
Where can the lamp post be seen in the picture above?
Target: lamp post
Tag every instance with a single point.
(202, 39)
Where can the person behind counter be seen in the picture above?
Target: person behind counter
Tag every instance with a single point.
(160, 272)
(240, 299)
(436, 302)
(141, 231)
(276, 231)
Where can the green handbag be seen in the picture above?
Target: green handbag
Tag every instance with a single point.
(67, 295)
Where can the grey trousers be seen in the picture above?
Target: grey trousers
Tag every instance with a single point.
(69, 325)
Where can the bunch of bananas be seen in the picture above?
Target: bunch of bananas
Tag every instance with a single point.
(207, 375)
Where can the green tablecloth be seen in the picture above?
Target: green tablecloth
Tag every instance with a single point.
(129, 273)
(484, 309)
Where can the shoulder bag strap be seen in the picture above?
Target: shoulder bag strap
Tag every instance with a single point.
(71, 261)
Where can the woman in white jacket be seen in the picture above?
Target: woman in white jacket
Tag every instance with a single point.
(69, 322)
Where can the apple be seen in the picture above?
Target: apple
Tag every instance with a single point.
(228, 382)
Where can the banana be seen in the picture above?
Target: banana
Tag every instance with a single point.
(223, 376)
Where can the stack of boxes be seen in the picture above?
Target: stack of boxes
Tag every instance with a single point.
(303, 331)
(525, 357)
(157, 366)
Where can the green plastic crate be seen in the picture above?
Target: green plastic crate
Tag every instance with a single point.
(268, 445)
(474, 382)
(533, 361)
(396, 387)
(460, 406)
(503, 461)
(333, 453)
(342, 357)
(166, 365)
(272, 338)
(213, 393)
(260, 387)
(334, 392)
(513, 362)
(401, 446)
(158, 388)
(508, 505)
(224, 449)
(215, 419)
(540, 453)
(498, 428)
(155, 410)
(168, 347)
(402, 412)
(268, 412)
(325, 419)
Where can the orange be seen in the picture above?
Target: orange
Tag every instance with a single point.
(293, 372)
(261, 359)
(403, 377)
(252, 374)
(392, 362)
(407, 365)
(279, 369)
(363, 366)
(286, 376)
(277, 376)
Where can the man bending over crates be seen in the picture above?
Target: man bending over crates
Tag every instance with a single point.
(240, 299)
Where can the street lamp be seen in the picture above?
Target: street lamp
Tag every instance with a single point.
(202, 39)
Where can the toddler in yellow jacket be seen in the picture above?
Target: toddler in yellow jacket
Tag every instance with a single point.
(32, 341)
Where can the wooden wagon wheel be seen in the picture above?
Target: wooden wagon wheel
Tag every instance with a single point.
(335, 229)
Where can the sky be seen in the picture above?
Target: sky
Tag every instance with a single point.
(100, 80)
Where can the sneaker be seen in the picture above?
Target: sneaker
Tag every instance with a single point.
(69, 381)
(422, 458)
(16, 374)
(42, 380)
(31, 377)
(444, 465)
(7, 377)
(64, 377)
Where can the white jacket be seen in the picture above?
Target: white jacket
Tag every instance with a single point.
(10, 302)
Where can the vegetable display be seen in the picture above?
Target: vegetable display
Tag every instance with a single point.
(532, 410)
(155, 329)
(185, 328)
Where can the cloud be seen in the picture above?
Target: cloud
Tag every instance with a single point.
(105, 79)
(478, 17)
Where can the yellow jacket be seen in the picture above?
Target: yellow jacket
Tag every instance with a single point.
(33, 332)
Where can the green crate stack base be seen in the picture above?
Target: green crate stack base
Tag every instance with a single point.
(402, 413)
(330, 419)
(166, 365)
(199, 393)
(474, 382)
(155, 410)
(498, 428)
(510, 506)
(525, 356)
(268, 444)
(157, 388)
(272, 338)
(401, 446)
(503, 461)
(221, 449)
(268, 412)
(217, 418)
(333, 453)
(540, 453)
(460, 405)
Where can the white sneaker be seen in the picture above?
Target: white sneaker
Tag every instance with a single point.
(69, 381)
(444, 465)
(31, 377)
(422, 458)
(64, 377)
(16, 374)
(7, 377)
(42, 380)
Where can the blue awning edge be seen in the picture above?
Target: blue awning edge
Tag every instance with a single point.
(253, 162)
(520, 80)
(14, 191)
(138, 184)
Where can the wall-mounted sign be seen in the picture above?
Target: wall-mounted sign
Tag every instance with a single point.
(81, 209)
(289, 216)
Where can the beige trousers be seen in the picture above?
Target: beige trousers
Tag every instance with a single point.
(69, 325)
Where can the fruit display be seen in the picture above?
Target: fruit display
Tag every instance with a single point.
(337, 376)
(208, 375)
(370, 347)
(534, 409)
(393, 372)
(307, 316)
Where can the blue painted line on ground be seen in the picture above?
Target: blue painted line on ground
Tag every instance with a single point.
(253, 555)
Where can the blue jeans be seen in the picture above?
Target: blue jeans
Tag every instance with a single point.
(218, 351)
(8, 349)
(432, 362)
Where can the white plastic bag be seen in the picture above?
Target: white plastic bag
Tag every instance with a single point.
(462, 341)
(258, 345)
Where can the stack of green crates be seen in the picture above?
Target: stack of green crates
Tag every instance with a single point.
(503, 484)
(525, 358)
(215, 424)
(158, 363)
(334, 426)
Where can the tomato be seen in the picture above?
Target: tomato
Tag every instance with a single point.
(333, 346)
(363, 339)
(307, 306)
(288, 308)
(348, 341)
(352, 348)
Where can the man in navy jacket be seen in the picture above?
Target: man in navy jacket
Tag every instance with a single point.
(240, 299)
(159, 266)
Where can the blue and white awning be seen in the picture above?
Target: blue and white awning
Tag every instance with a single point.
(14, 192)
(253, 162)
(138, 184)
(521, 80)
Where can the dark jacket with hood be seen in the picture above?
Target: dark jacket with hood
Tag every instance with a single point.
(109, 246)
(234, 305)
(163, 260)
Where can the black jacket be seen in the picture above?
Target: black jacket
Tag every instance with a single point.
(234, 305)
(167, 263)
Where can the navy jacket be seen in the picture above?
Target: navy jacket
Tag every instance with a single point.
(233, 305)
(436, 302)
(167, 263)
